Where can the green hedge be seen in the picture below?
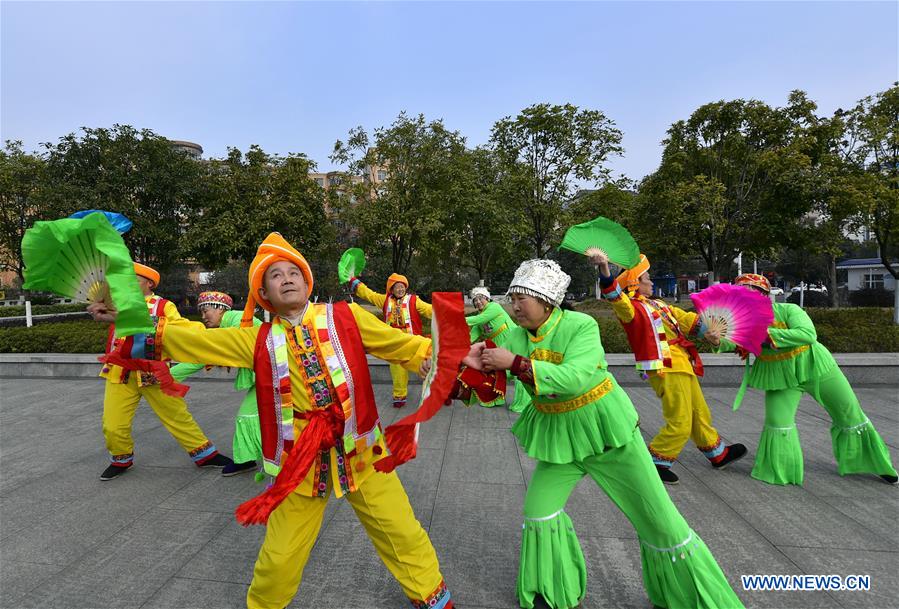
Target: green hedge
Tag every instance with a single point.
(19, 311)
(868, 330)
(82, 336)
(856, 330)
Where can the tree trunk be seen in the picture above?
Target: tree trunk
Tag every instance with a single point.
(896, 304)
(832, 280)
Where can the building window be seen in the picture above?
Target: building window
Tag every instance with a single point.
(873, 281)
(334, 180)
(382, 175)
(320, 182)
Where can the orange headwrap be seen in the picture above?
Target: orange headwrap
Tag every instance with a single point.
(396, 278)
(629, 279)
(142, 270)
(272, 250)
(752, 279)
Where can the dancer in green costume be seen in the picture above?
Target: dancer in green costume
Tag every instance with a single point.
(493, 323)
(582, 423)
(215, 308)
(793, 362)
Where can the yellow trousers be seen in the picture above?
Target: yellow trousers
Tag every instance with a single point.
(687, 417)
(383, 509)
(119, 406)
(400, 378)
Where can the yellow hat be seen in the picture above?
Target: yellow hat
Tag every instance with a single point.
(396, 278)
(274, 249)
(629, 279)
(142, 270)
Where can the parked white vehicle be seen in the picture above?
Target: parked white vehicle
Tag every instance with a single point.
(811, 288)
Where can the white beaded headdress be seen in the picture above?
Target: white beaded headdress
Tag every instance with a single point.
(542, 279)
(480, 291)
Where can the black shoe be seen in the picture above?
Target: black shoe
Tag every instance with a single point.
(735, 452)
(113, 471)
(219, 460)
(889, 479)
(667, 476)
(232, 469)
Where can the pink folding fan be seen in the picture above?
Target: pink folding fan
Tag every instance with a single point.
(742, 316)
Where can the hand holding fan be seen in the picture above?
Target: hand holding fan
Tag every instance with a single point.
(351, 264)
(741, 316)
(86, 259)
(603, 235)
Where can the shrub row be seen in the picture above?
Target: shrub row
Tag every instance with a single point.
(82, 336)
(868, 330)
(38, 309)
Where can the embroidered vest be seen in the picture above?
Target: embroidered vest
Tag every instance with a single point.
(646, 335)
(411, 320)
(648, 340)
(338, 340)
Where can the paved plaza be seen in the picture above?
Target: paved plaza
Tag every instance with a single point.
(163, 536)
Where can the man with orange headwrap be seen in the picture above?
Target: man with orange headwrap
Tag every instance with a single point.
(319, 425)
(658, 334)
(402, 311)
(124, 390)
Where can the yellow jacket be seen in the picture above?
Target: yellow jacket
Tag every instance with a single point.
(235, 347)
(379, 300)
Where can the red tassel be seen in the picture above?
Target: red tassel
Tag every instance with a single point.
(401, 443)
(322, 433)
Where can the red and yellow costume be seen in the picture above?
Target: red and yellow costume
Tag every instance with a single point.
(401, 313)
(320, 433)
(125, 389)
(659, 334)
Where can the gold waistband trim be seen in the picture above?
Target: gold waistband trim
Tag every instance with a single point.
(567, 406)
(498, 331)
(779, 357)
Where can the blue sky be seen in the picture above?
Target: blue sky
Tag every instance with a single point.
(294, 77)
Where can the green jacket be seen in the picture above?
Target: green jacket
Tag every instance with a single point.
(795, 355)
(578, 408)
(492, 323)
(245, 379)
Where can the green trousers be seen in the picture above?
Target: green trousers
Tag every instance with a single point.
(679, 571)
(857, 447)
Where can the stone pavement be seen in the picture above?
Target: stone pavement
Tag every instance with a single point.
(163, 536)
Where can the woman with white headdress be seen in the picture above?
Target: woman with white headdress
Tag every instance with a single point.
(493, 323)
(582, 423)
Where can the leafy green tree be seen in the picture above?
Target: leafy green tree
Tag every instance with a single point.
(254, 194)
(872, 149)
(406, 211)
(23, 201)
(485, 221)
(547, 153)
(734, 178)
(134, 172)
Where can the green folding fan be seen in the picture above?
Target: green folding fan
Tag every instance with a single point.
(351, 264)
(85, 259)
(603, 235)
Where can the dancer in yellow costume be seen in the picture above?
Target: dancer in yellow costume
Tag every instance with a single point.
(659, 335)
(311, 379)
(125, 389)
(402, 311)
